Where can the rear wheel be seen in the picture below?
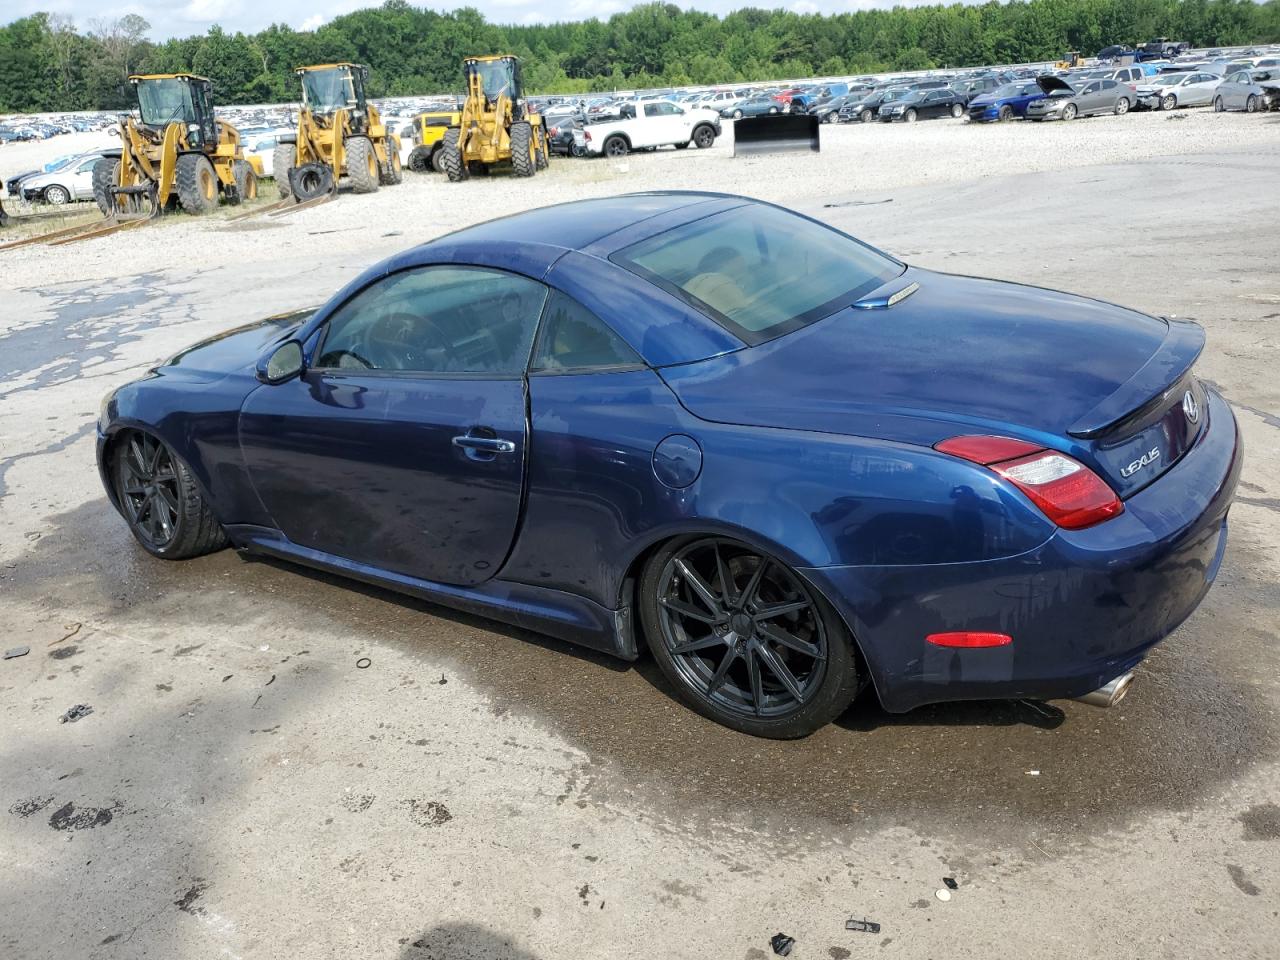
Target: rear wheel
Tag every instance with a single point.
(522, 161)
(362, 164)
(543, 152)
(160, 501)
(105, 173)
(420, 160)
(246, 181)
(737, 114)
(616, 146)
(281, 163)
(1122, 106)
(396, 172)
(745, 640)
(450, 154)
(197, 183)
(957, 111)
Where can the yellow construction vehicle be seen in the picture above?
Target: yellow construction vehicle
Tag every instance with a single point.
(340, 134)
(496, 125)
(1070, 61)
(429, 129)
(174, 150)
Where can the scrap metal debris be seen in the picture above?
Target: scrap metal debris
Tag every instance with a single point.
(364, 663)
(950, 883)
(442, 681)
(862, 926)
(271, 681)
(74, 630)
(782, 944)
(16, 652)
(75, 713)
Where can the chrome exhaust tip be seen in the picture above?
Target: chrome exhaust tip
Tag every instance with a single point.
(1110, 694)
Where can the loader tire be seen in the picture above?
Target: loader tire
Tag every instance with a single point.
(437, 160)
(197, 183)
(395, 173)
(105, 172)
(282, 163)
(451, 156)
(522, 161)
(543, 150)
(246, 181)
(362, 165)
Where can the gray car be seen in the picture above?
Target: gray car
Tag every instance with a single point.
(1064, 101)
(1248, 90)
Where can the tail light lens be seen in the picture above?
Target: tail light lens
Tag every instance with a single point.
(586, 135)
(1066, 491)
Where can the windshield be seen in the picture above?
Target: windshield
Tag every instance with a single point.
(758, 270)
(1008, 90)
(1169, 80)
(495, 77)
(915, 96)
(162, 101)
(325, 91)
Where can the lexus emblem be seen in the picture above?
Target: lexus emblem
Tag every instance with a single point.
(1190, 407)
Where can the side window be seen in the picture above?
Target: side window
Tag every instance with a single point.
(443, 319)
(1109, 84)
(87, 166)
(1092, 88)
(573, 339)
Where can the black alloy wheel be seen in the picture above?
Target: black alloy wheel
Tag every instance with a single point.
(745, 639)
(159, 499)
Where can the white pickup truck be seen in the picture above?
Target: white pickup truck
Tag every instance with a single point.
(647, 124)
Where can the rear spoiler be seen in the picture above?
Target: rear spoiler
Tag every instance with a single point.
(1148, 387)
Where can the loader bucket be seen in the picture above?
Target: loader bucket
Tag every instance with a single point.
(784, 131)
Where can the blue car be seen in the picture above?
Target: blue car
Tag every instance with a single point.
(1006, 102)
(789, 465)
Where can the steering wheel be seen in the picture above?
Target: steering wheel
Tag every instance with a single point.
(401, 341)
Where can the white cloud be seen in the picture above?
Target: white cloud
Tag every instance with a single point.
(211, 11)
(314, 22)
(804, 6)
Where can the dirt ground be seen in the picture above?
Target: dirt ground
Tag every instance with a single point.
(241, 789)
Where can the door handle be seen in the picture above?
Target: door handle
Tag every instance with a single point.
(484, 444)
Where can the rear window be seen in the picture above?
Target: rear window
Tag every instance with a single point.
(758, 270)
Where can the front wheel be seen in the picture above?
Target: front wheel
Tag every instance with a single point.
(197, 183)
(281, 163)
(160, 501)
(57, 196)
(1251, 104)
(1218, 105)
(105, 173)
(737, 114)
(704, 136)
(362, 165)
(522, 160)
(957, 111)
(1006, 113)
(865, 115)
(745, 640)
(1169, 102)
(910, 116)
(246, 179)
(450, 153)
(1069, 112)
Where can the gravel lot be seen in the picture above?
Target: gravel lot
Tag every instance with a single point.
(242, 790)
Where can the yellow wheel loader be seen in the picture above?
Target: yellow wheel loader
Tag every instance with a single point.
(429, 130)
(340, 134)
(496, 125)
(176, 151)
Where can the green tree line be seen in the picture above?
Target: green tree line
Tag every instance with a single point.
(47, 62)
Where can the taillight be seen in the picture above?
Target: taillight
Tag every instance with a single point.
(586, 135)
(1065, 490)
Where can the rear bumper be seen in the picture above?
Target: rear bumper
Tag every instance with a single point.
(1082, 608)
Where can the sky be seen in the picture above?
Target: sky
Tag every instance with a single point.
(186, 17)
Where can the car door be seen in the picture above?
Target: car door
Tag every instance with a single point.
(1089, 99)
(81, 184)
(679, 124)
(402, 445)
(1205, 84)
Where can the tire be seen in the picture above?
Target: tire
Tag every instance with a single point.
(1006, 113)
(910, 116)
(196, 182)
(1169, 102)
(711, 638)
(1251, 104)
(704, 135)
(773, 110)
(396, 173)
(310, 181)
(957, 111)
(419, 160)
(281, 163)
(105, 173)
(1069, 111)
(737, 114)
(1122, 106)
(362, 165)
(522, 161)
(616, 146)
(173, 521)
(451, 156)
(1218, 105)
(542, 152)
(437, 160)
(56, 195)
(246, 181)
(681, 146)
(866, 115)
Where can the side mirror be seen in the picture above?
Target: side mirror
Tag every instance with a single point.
(282, 364)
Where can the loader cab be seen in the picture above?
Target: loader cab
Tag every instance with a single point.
(178, 98)
(497, 76)
(331, 87)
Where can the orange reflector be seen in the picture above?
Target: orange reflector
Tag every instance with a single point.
(969, 638)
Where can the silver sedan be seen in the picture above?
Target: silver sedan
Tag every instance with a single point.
(1063, 101)
(1249, 91)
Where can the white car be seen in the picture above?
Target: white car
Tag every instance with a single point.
(648, 124)
(1172, 90)
(70, 182)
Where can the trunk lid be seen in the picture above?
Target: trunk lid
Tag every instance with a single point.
(960, 355)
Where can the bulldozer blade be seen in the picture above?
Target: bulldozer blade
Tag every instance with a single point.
(781, 132)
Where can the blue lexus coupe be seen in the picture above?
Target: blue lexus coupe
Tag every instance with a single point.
(790, 465)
